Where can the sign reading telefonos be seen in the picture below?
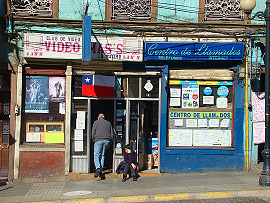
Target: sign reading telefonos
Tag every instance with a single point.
(193, 51)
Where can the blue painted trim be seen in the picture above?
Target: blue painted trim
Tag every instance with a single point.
(164, 118)
(199, 151)
(239, 119)
(86, 38)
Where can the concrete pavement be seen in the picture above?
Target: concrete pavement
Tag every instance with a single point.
(166, 187)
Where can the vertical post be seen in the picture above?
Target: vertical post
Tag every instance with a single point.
(265, 175)
(164, 119)
(68, 118)
(18, 122)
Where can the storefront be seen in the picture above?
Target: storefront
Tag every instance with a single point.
(57, 115)
(205, 112)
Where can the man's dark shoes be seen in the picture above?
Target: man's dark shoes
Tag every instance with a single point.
(97, 173)
(134, 177)
(124, 178)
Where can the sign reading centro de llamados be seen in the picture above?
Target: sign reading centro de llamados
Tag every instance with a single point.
(193, 51)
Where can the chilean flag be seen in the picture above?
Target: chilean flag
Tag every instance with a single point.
(98, 85)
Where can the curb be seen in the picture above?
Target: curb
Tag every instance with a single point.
(170, 197)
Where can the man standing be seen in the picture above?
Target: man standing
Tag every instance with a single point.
(102, 135)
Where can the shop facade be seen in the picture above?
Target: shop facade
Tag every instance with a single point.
(56, 116)
(205, 111)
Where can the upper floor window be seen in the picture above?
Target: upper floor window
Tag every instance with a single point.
(44, 8)
(220, 10)
(131, 9)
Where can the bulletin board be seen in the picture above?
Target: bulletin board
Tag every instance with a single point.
(45, 132)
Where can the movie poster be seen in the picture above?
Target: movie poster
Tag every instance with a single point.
(37, 94)
(57, 88)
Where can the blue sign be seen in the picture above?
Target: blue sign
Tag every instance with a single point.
(207, 90)
(193, 51)
(86, 56)
(223, 91)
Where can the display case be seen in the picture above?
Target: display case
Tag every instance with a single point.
(45, 132)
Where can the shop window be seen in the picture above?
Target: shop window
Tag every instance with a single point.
(150, 87)
(79, 127)
(132, 87)
(200, 114)
(44, 109)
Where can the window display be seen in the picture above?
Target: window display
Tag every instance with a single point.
(204, 115)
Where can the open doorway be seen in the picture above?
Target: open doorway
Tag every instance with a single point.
(107, 108)
(144, 132)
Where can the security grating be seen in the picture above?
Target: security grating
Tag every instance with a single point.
(217, 10)
(32, 7)
(131, 9)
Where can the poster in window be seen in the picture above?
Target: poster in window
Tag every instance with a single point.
(258, 104)
(259, 132)
(57, 89)
(190, 96)
(37, 94)
(180, 137)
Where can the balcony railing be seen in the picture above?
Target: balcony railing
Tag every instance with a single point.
(32, 7)
(218, 10)
(132, 9)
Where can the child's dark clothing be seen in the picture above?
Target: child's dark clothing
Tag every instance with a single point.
(125, 166)
(129, 158)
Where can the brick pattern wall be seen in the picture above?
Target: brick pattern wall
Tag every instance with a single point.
(41, 164)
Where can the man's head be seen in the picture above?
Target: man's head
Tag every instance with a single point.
(101, 116)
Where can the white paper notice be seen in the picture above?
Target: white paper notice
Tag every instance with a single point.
(33, 137)
(62, 108)
(80, 124)
(179, 122)
(80, 121)
(78, 134)
(175, 92)
(222, 102)
(225, 123)
(175, 102)
(213, 123)
(191, 123)
(180, 137)
(208, 99)
(81, 115)
(200, 137)
(202, 123)
(78, 146)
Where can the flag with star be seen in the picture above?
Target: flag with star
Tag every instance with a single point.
(98, 85)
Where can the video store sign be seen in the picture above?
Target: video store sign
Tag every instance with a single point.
(52, 46)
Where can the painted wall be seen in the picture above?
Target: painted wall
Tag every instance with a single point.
(41, 164)
(260, 6)
(74, 10)
(177, 10)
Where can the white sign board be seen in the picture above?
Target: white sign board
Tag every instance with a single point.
(180, 137)
(117, 48)
(52, 46)
(59, 46)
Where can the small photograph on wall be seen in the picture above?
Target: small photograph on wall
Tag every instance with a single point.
(37, 94)
(57, 88)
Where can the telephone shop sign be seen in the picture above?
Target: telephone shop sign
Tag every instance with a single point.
(193, 51)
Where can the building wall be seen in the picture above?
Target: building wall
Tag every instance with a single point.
(41, 164)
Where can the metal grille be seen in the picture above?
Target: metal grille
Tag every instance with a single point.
(32, 7)
(223, 10)
(131, 9)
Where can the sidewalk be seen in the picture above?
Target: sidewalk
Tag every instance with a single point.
(148, 188)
